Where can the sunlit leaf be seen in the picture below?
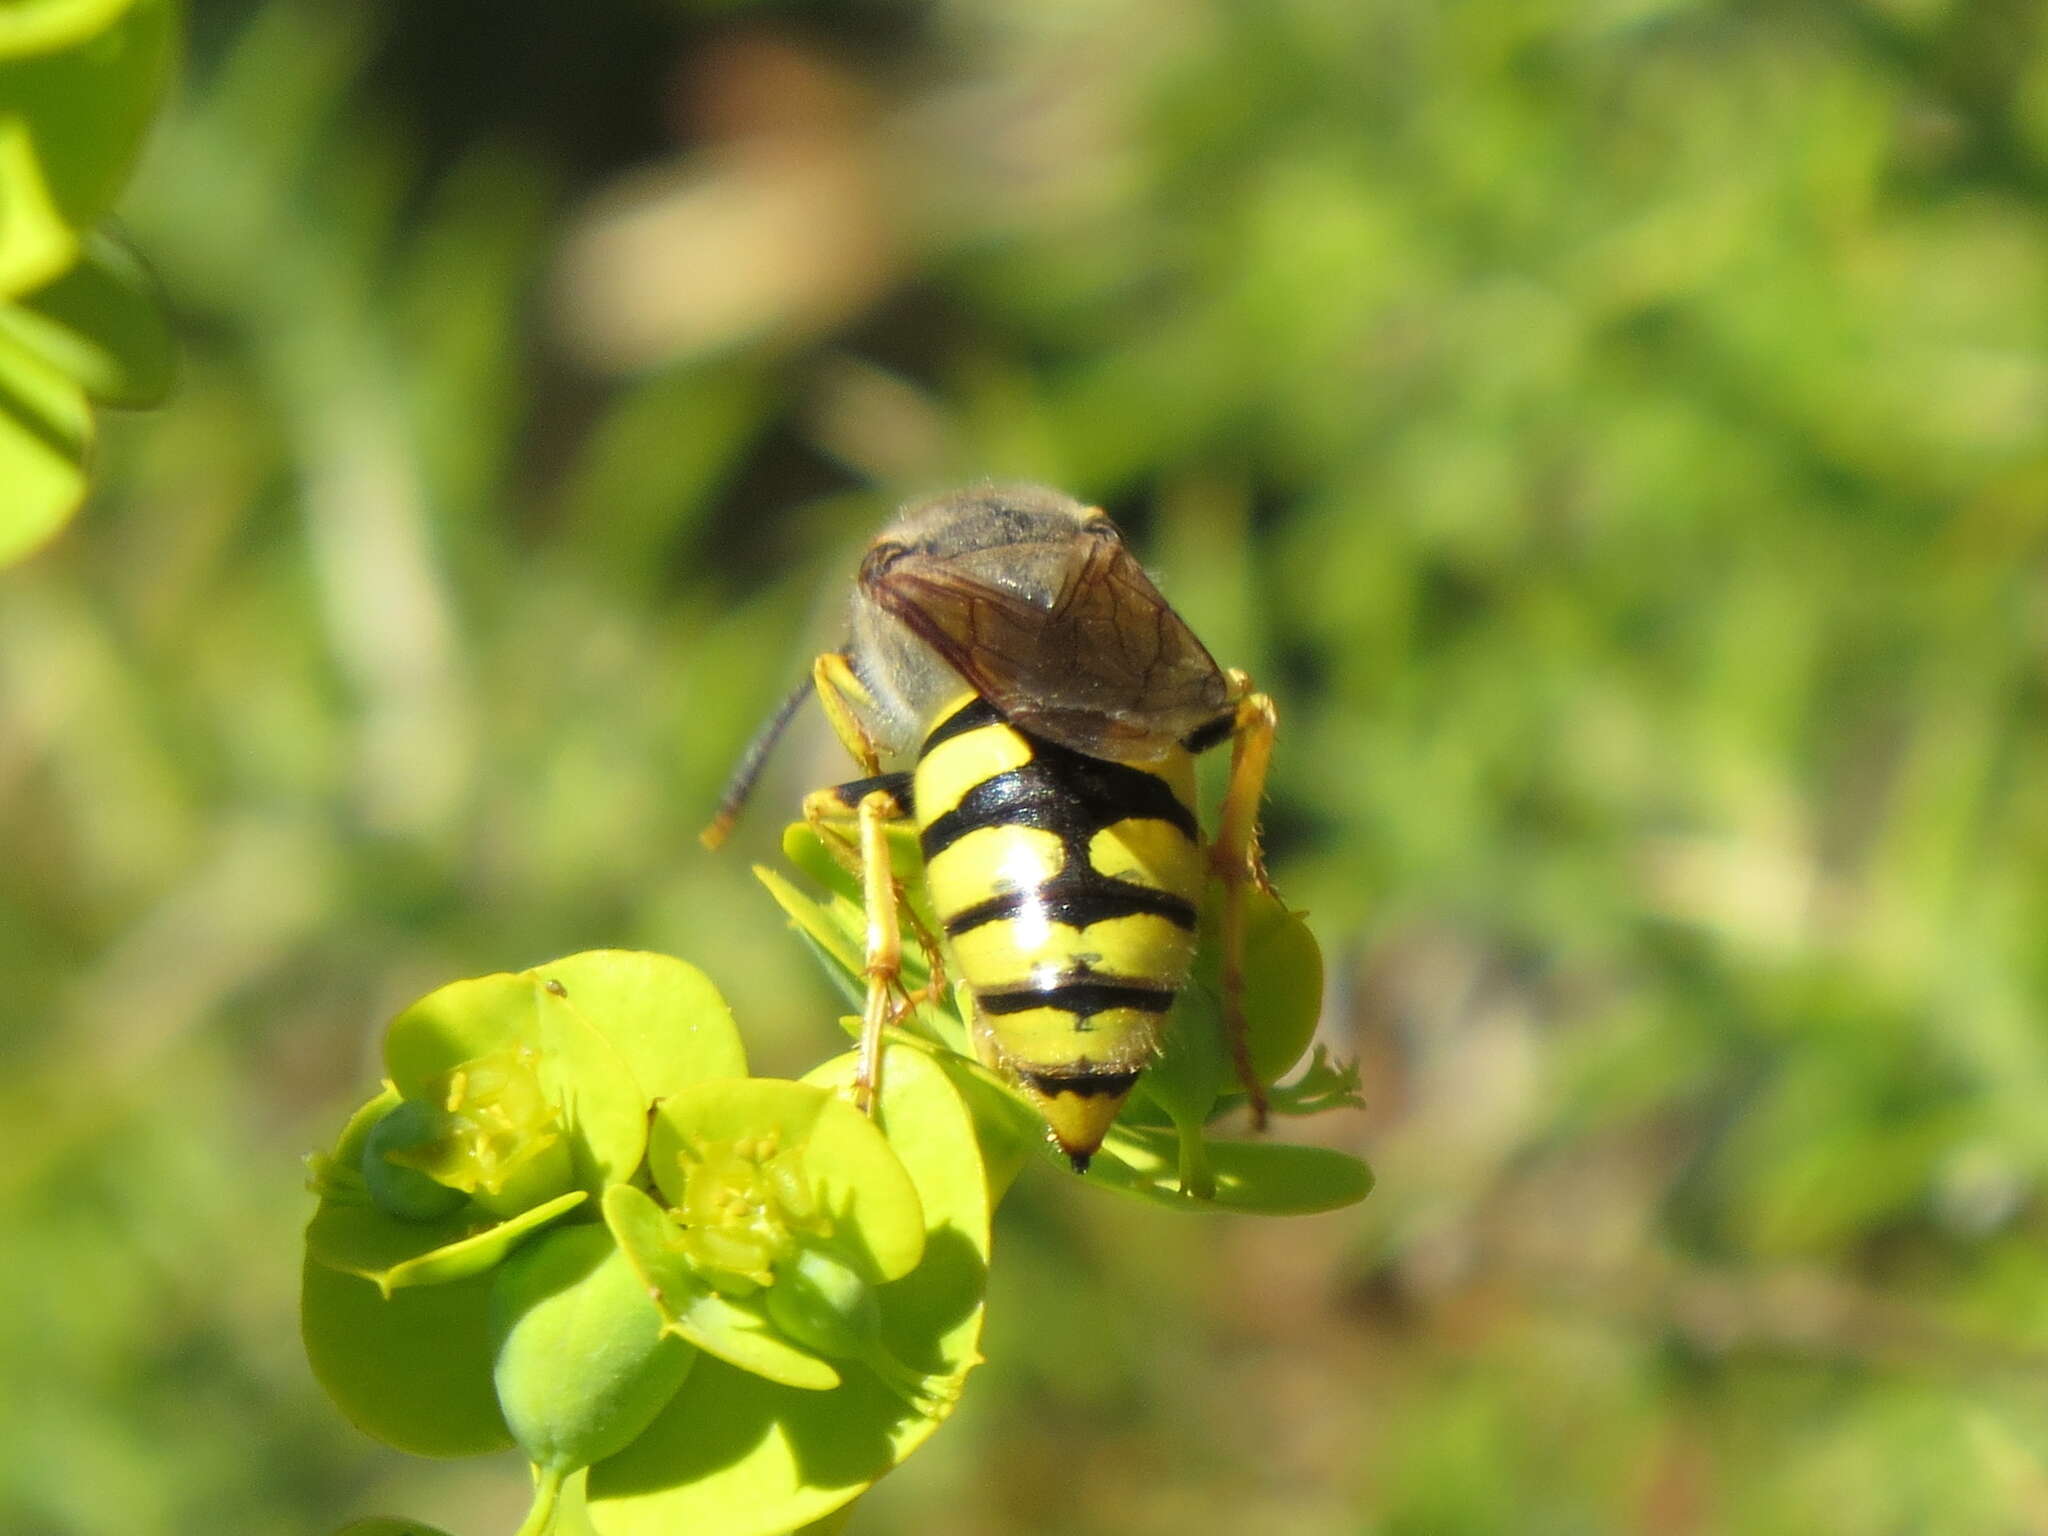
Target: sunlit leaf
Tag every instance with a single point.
(45, 433)
(1259, 1178)
(73, 121)
(361, 1240)
(413, 1370)
(43, 26)
(664, 1015)
(37, 241)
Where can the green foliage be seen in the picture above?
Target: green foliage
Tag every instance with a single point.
(830, 1264)
(79, 316)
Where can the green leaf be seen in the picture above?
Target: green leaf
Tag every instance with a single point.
(387, 1525)
(43, 26)
(836, 930)
(806, 849)
(1188, 1075)
(743, 1456)
(1260, 1178)
(37, 242)
(103, 325)
(583, 1361)
(71, 125)
(829, 1525)
(928, 1125)
(666, 1018)
(414, 1370)
(834, 926)
(1325, 1084)
(848, 909)
(45, 433)
(364, 1241)
(1007, 1128)
(1283, 983)
(1283, 1000)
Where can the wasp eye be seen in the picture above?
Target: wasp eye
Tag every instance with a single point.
(882, 554)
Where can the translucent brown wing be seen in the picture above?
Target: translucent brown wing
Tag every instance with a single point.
(1070, 641)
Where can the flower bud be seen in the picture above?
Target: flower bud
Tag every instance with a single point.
(395, 1188)
(583, 1363)
(823, 1303)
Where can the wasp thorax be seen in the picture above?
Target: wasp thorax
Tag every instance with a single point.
(489, 1128)
(746, 1203)
(881, 556)
(989, 517)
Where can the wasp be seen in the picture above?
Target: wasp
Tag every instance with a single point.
(1016, 684)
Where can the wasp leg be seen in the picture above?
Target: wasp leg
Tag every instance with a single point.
(934, 988)
(834, 814)
(844, 696)
(1236, 861)
(884, 964)
(852, 821)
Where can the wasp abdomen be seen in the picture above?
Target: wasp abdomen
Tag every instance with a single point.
(1067, 887)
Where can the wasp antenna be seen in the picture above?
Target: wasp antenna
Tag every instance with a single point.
(751, 762)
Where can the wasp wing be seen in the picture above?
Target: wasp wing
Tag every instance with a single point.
(1070, 640)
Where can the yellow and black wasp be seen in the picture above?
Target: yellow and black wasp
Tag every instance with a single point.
(1050, 703)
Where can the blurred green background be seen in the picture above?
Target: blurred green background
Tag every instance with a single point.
(1616, 431)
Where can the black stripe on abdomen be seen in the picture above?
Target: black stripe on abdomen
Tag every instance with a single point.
(1064, 793)
(1083, 995)
(1088, 1082)
(1077, 898)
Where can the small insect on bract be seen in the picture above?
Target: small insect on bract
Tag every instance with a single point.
(1016, 683)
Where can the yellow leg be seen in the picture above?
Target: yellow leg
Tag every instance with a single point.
(842, 818)
(934, 988)
(1235, 861)
(843, 695)
(834, 814)
(884, 958)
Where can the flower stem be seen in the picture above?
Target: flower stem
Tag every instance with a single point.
(547, 1492)
(1197, 1180)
